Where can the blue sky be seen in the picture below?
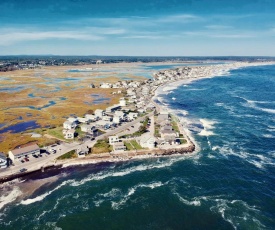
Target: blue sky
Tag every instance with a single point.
(141, 27)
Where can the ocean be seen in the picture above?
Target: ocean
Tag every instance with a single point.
(227, 184)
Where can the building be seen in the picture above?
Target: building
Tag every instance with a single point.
(147, 141)
(99, 113)
(167, 133)
(122, 102)
(83, 119)
(116, 119)
(106, 118)
(104, 124)
(69, 134)
(91, 117)
(69, 125)
(87, 128)
(105, 86)
(72, 119)
(113, 108)
(132, 116)
(3, 160)
(113, 139)
(24, 151)
(120, 114)
(119, 147)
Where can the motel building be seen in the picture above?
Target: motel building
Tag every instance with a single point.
(24, 152)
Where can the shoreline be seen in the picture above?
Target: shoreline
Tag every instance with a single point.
(188, 150)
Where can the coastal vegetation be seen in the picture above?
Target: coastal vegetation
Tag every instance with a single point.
(102, 146)
(68, 155)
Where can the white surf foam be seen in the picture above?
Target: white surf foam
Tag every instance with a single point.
(43, 196)
(208, 126)
(9, 197)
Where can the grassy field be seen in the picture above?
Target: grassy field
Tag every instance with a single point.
(129, 147)
(135, 144)
(68, 155)
(101, 146)
(57, 132)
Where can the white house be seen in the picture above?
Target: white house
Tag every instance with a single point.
(87, 128)
(3, 160)
(106, 118)
(112, 108)
(122, 102)
(24, 151)
(72, 119)
(104, 124)
(132, 116)
(69, 134)
(119, 147)
(105, 86)
(99, 113)
(83, 119)
(69, 125)
(91, 117)
(147, 141)
(116, 119)
(113, 139)
(120, 114)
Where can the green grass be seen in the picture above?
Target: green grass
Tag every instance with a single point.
(128, 146)
(135, 144)
(57, 132)
(101, 146)
(68, 155)
(80, 133)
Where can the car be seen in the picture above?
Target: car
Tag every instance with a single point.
(133, 126)
(52, 151)
(35, 156)
(26, 159)
(23, 170)
(40, 155)
(22, 161)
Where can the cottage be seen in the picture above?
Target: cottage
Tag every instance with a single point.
(24, 151)
(3, 160)
(132, 116)
(120, 114)
(83, 119)
(162, 118)
(147, 141)
(82, 151)
(72, 119)
(119, 147)
(69, 134)
(106, 118)
(91, 117)
(113, 139)
(122, 102)
(87, 128)
(69, 125)
(99, 113)
(167, 133)
(113, 108)
(104, 124)
(116, 119)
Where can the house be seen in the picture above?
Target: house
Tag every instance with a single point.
(69, 134)
(122, 102)
(83, 119)
(69, 125)
(113, 108)
(99, 113)
(105, 85)
(132, 116)
(113, 139)
(87, 128)
(72, 119)
(106, 118)
(162, 117)
(82, 151)
(24, 151)
(167, 133)
(3, 160)
(116, 119)
(120, 114)
(119, 147)
(147, 141)
(104, 124)
(91, 117)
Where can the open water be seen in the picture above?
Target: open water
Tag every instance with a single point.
(228, 184)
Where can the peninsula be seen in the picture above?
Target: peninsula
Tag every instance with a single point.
(137, 127)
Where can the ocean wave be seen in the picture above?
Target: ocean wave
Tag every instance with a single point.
(102, 175)
(252, 105)
(208, 126)
(9, 197)
(43, 196)
(131, 191)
